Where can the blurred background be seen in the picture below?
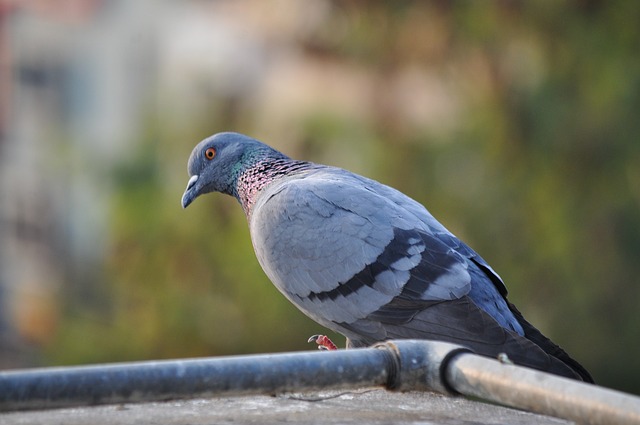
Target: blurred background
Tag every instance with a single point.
(516, 123)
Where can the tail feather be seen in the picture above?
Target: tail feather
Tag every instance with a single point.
(550, 347)
(462, 322)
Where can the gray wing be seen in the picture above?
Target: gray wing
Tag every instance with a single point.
(341, 251)
(436, 228)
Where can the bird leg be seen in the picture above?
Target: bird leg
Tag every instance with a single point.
(323, 341)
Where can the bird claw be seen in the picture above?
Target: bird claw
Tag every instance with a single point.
(324, 343)
(504, 359)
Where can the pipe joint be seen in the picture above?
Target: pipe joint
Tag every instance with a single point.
(420, 365)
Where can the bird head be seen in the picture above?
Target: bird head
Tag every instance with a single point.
(216, 163)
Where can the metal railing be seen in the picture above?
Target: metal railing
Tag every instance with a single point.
(405, 365)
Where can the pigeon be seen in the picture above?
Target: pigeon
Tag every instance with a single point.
(364, 259)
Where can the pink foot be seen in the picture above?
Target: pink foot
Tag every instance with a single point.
(323, 341)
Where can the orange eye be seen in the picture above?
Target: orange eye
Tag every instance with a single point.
(210, 153)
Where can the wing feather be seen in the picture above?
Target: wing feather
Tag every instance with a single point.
(351, 248)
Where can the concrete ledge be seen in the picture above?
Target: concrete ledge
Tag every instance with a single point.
(369, 406)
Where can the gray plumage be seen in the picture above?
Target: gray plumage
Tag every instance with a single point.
(365, 260)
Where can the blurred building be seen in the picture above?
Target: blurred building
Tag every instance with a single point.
(74, 74)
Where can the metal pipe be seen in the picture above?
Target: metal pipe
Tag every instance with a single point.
(163, 380)
(400, 365)
(540, 392)
(404, 365)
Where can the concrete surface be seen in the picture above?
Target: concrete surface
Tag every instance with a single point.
(373, 406)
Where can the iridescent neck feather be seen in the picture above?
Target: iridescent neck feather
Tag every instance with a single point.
(254, 179)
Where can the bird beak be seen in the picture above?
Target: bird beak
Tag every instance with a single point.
(190, 192)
